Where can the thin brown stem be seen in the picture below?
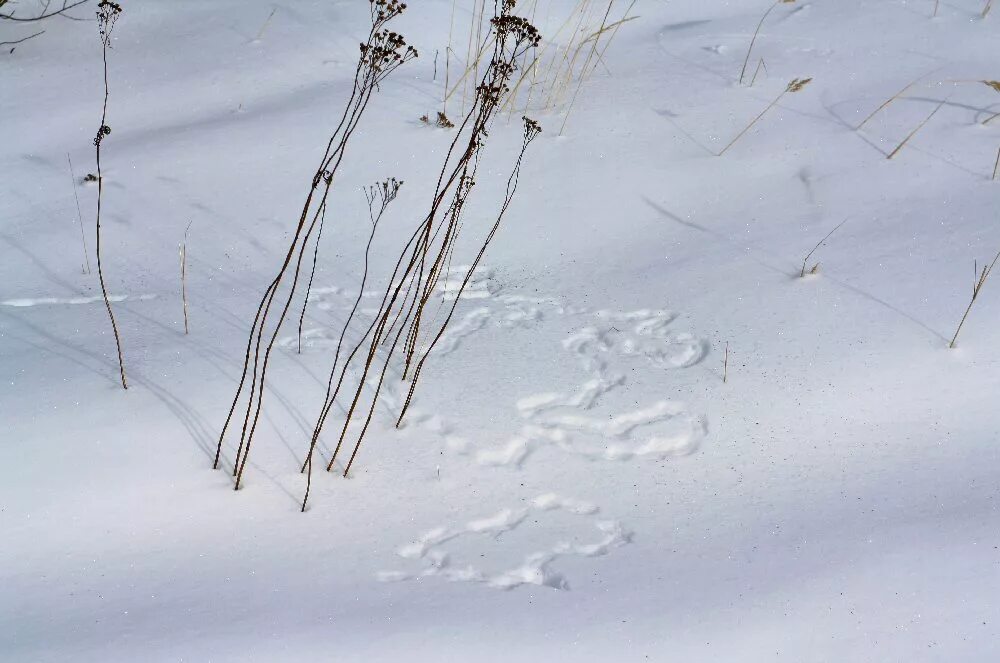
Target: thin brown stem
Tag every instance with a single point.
(805, 260)
(916, 129)
(976, 289)
(184, 299)
(107, 16)
(79, 215)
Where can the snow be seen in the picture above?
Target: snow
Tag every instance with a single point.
(575, 481)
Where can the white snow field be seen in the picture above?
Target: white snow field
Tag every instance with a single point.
(575, 481)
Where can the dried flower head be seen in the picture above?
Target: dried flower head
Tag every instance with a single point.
(101, 133)
(797, 84)
(107, 16)
(531, 129)
(443, 121)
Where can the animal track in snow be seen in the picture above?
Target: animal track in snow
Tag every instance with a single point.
(567, 421)
(662, 429)
(535, 568)
(45, 301)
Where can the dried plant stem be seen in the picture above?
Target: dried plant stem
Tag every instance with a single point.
(890, 100)
(760, 65)
(916, 129)
(987, 8)
(936, 3)
(753, 39)
(794, 86)
(755, 120)
(107, 13)
(184, 298)
(725, 365)
(981, 277)
(426, 253)
(22, 40)
(381, 54)
(312, 275)
(267, 22)
(586, 70)
(384, 194)
(79, 216)
(805, 260)
(996, 165)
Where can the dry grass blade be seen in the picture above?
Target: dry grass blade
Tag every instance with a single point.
(916, 129)
(890, 100)
(760, 65)
(184, 298)
(725, 365)
(996, 165)
(977, 287)
(802, 272)
(753, 39)
(79, 215)
(795, 85)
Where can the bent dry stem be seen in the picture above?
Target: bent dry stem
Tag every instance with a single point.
(399, 325)
(381, 54)
(107, 16)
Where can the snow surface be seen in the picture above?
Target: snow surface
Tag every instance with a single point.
(576, 482)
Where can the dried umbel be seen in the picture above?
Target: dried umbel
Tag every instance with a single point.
(531, 129)
(385, 52)
(107, 15)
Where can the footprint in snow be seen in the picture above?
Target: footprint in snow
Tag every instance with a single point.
(433, 552)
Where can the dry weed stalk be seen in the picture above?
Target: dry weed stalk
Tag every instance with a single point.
(889, 101)
(987, 8)
(312, 275)
(996, 165)
(107, 16)
(815, 268)
(381, 54)
(183, 255)
(379, 196)
(753, 39)
(79, 216)
(977, 286)
(725, 365)
(795, 85)
(423, 259)
(267, 22)
(916, 129)
(760, 65)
